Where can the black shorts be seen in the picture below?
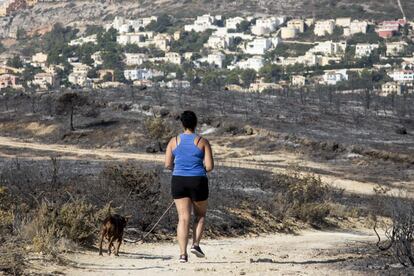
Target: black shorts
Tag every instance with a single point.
(194, 187)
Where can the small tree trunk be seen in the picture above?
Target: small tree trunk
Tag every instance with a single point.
(71, 119)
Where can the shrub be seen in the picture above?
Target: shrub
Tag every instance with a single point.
(76, 221)
(304, 196)
(158, 130)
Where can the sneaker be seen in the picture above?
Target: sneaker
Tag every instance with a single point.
(183, 258)
(196, 250)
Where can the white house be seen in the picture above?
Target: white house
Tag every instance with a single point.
(219, 42)
(333, 77)
(395, 48)
(45, 80)
(133, 59)
(80, 68)
(288, 32)
(258, 46)
(162, 41)
(298, 80)
(254, 63)
(403, 75)
(343, 22)
(79, 79)
(233, 22)
(83, 40)
(97, 58)
(390, 88)
(266, 25)
(123, 25)
(216, 59)
(39, 59)
(357, 26)
(202, 23)
(330, 48)
(298, 24)
(141, 74)
(324, 27)
(364, 49)
(180, 84)
(173, 57)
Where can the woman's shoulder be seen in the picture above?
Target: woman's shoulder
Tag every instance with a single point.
(203, 140)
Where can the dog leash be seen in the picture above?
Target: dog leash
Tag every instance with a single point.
(155, 225)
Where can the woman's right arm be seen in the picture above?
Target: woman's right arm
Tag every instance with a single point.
(169, 158)
(208, 156)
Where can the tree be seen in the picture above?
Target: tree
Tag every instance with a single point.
(160, 25)
(243, 26)
(232, 77)
(20, 34)
(15, 62)
(2, 48)
(157, 130)
(248, 76)
(213, 80)
(271, 72)
(55, 43)
(70, 102)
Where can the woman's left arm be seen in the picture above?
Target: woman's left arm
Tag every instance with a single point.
(208, 156)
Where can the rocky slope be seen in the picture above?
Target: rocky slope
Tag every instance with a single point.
(80, 13)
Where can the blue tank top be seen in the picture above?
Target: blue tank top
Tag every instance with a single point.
(188, 158)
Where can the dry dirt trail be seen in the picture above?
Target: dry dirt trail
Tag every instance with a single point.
(274, 162)
(310, 253)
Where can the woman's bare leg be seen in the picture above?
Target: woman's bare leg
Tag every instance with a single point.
(183, 206)
(200, 209)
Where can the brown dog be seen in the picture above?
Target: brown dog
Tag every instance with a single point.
(113, 229)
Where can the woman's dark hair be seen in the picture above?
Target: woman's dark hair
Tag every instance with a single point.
(188, 119)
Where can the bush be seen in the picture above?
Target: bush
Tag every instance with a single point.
(76, 221)
(304, 196)
(139, 190)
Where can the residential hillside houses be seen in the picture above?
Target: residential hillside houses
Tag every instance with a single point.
(333, 77)
(141, 74)
(330, 48)
(356, 27)
(388, 29)
(402, 75)
(266, 25)
(123, 25)
(203, 23)
(8, 80)
(324, 27)
(395, 48)
(364, 49)
(83, 40)
(296, 52)
(233, 22)
(255, 63)
(134, 59)
(45, 80)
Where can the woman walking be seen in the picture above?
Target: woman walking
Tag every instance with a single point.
(190, 157)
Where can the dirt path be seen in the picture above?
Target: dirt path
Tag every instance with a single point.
(310, 253)
(275, 163)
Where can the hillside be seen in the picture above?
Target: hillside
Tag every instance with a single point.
(79, 13)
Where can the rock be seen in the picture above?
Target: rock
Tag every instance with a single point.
(401, 130)
(248, 130)
(164, 112)
(151, 149)
(146, 107)
(242, 273)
